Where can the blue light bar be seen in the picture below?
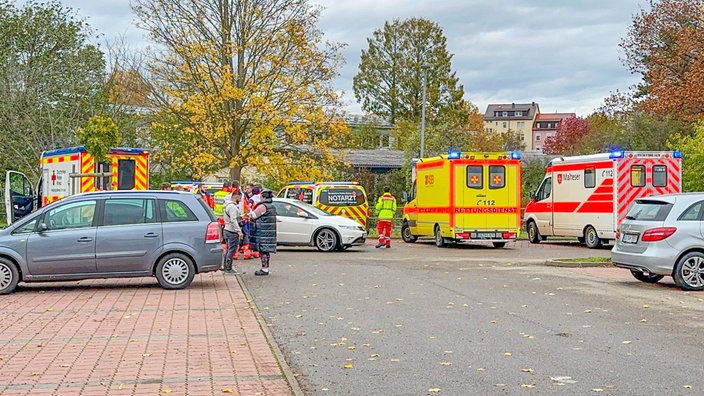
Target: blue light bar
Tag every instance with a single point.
(515, 155)
(453, 155)
(677, 154)
(616, 154)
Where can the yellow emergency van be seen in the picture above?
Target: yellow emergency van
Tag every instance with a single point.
(465, 197)
(347, 199)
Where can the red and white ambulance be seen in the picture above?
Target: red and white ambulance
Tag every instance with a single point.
(587, 196)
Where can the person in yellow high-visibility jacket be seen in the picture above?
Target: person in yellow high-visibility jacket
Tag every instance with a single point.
(386, 210)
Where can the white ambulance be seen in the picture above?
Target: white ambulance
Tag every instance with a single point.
(587, 196)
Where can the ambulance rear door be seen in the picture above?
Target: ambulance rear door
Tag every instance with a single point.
(488, 203)
(19, 196)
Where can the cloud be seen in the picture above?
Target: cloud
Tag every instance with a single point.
(563, 55)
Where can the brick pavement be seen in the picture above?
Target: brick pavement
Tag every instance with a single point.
(131, 337)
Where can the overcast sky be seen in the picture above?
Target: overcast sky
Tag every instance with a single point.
(562, 54)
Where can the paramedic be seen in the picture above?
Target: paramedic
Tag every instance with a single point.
(386, 210)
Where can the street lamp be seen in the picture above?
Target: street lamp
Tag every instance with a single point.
(424, 70)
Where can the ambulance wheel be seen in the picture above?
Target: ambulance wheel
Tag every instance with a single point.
(533, 233)
(591, 238)
(498, 244)
(406, 233)
(439, 240)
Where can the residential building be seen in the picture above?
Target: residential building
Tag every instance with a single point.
(545, 126)
(516, 118)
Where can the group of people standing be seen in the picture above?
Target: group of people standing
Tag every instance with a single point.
(250, 225)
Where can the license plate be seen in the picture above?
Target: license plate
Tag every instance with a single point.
(629, 238)
(484, 235)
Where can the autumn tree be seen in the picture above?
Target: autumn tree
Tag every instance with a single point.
(692, 148)
(51, 80)
(569, 138)
(389, 82)
(244, 83)
(666, 45)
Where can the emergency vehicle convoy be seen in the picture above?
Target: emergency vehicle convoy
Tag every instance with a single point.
(588, 196)
(347, 199)
(473, 197)
(73, 170)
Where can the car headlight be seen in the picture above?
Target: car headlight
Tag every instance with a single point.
(353, 228)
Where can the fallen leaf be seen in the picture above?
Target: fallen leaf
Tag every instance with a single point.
(348, 366)
(299, 316)
(597, 390)
(643, 320)
(167, 390)
(434, 390)
(481, 369)
(687, 386)
(646, 306)
(49, 309)
(351, 348)
(228, 390)
(446, 363)
(36, 374)
(64, 365)
(527, 370)
(493, 321)
(121, 387)
(527, 385)
(626, 342)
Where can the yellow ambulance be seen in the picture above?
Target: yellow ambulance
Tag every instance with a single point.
(347, 199)
(465, 197)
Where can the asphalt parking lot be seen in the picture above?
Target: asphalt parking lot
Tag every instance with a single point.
(130, 336)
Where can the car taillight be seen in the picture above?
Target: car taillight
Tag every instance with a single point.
(508, 235)
(657, 234)
(212, 235)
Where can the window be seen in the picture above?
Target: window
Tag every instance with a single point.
(504, 114)
(497, 177)
(545, 190)
(520, 124)
(648, 210)
(659, 176)
(125, 175)
(26, 228)
(288, 210)
(693, 212)
(129, 211)
(175, 211)
(475, 176)
(301, 194)
(537, 137)
(505, 124)
(637, 175)
(72, 215)
(590, 177)
(341, 197)
(519, 114)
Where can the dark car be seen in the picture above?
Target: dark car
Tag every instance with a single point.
(170, 235)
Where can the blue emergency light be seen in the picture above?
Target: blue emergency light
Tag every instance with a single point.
(617, 154)
(677, 154)
(515, 155)
(453, 154)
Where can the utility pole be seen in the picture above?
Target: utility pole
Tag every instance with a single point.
(424, 69)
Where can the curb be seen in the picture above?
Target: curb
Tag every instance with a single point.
(273, 345)
(576, 264)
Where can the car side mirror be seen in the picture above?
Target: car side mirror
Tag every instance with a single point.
(42, 227)
(532, 195)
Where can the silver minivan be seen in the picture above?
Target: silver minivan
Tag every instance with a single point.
(662, 236)
(170, 235)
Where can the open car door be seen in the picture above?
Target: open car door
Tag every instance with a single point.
(19, 196)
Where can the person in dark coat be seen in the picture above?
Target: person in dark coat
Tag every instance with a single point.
(264, 217)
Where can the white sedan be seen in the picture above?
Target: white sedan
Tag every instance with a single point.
(300, 224)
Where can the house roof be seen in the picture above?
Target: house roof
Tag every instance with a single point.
(354, 120)
(554, 116)
(530, 110)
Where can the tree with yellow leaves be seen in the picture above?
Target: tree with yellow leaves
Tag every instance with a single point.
(244, 83)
